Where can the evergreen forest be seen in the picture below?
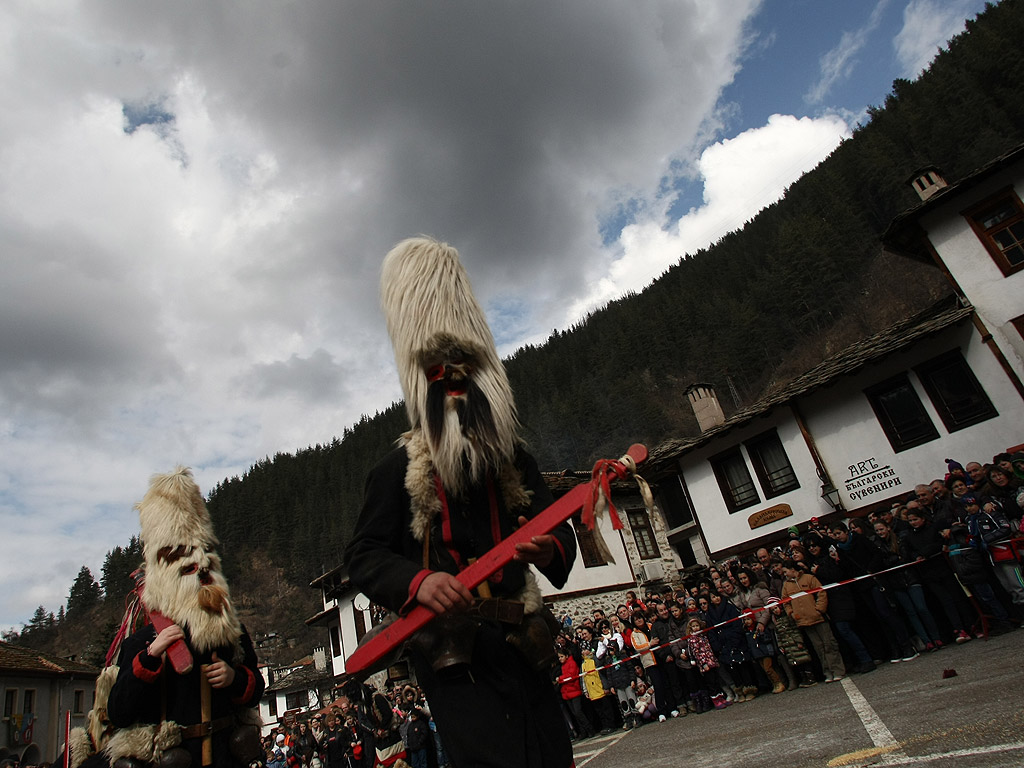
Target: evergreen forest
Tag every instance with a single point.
(803, 279)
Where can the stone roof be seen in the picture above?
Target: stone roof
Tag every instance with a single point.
(900, 235)
(850, 360)
(302, 678)
(18, 660)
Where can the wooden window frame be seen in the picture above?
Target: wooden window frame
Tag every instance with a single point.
(771, 488)
(587, 547)
(899, 444)
(975, 213)
(954, 421)
(640, 523)
(668, 502)
(12, 701)
(732, 501)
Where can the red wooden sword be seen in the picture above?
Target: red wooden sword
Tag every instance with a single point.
(390, 637)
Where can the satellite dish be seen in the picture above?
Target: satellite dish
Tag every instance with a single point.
(361, 602)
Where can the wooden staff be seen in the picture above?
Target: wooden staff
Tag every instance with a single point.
(206, 714)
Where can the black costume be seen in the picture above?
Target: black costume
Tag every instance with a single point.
(497, 709)
(148, 690)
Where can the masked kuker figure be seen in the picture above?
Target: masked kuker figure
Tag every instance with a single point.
(459, 482)
(203, 715)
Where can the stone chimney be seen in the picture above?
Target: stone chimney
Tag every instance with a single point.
(705, 406)
(320, 658)
(927, 181)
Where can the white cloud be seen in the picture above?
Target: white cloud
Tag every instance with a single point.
(927, 26)
(203, 289)
(741, 176)
(838, 63)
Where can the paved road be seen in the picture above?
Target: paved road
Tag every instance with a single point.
(900, 715)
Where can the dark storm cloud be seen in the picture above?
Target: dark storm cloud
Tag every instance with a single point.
(500, 127)
(313, 379)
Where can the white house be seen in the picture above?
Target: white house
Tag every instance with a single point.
(301, 688)
(39, 690)
(862, 428)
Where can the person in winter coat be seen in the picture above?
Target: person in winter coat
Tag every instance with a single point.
(925, 545)
(793, 657)
(857, 556)
(730, 646)
(842, 605)
(703, 657)
(593, 689)
(570, 686)
(905, 586)
(613, 655)
(987, 528)
(808, 611)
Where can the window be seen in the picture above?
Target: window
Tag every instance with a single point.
(954, 391)
(900, 413)
(738, 488)
(999, 224)
(336, 640)
(272, 704)
(296, 700)
(78, 708)
(588, 548)
(28, 702)
(1018, 323)
(674, 502)
(10, 702)
(771, 465)
(643, 533)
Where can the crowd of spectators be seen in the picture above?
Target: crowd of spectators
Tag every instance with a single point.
(938, 568)
(340, 736)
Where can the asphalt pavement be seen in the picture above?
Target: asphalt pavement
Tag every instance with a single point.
(904, 714)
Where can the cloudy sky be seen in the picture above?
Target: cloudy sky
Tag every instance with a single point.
(195, 198)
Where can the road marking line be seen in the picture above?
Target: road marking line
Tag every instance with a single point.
(880, 735)
(853, 758)
(585, 756)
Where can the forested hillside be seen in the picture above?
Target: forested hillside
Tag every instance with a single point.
(802, 279)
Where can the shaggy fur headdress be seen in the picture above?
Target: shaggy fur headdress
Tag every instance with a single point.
(183, 578)
(433, 318)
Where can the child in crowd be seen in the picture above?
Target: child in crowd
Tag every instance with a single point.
(699, 649)
(793, 653)
(761, 646)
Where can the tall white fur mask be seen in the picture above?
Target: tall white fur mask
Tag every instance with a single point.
(434, 319)
(183, 577)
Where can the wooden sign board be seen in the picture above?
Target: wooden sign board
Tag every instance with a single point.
(770, 515)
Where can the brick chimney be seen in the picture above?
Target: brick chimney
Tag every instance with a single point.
(705, 406)
(927, 181)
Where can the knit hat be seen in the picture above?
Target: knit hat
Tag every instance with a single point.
(955, 467)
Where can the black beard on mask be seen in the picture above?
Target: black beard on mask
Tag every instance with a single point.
(475, 420)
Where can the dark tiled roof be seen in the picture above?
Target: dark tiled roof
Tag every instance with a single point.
(872, 349)
(16, 659)
(895, 236)
(304, 677)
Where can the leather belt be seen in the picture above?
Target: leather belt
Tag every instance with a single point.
(199, 730)
(499, 609)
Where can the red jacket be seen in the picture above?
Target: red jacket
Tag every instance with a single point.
(569, 682)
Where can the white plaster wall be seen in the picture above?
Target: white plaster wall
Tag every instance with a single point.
(582, 578)
(722, 529)
(848, 435)
(996, 297)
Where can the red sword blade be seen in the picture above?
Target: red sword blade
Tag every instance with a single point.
(367, 655)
